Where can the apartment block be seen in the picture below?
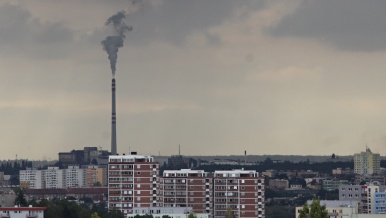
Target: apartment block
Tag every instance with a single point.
(74, 177)
(31, 179)
(380, 203)
(133, 182)
(172, 212)
(187, 188)
(241, 191)
(363, 193)
(55, 178)
(367, 163)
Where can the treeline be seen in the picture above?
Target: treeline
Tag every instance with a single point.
(64, 209)
(321, 167)
(13, 168)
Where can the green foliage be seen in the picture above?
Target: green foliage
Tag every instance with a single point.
(166, 216)
(315, 210)
(280, 211)
(229, 213)
(143, 216)
(328, 195)
(95, 215)
(97, 184)
(63, 209)
(20, 199)
(192, 215)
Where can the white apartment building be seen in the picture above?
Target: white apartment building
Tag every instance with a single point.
(75, 177)
(22, 212)
(367, 163)
(31, 178)
(54, 178)
(173, 212)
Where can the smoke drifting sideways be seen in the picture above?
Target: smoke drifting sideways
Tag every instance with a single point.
(112, 43)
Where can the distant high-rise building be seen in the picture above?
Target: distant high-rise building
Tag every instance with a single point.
(367, 163)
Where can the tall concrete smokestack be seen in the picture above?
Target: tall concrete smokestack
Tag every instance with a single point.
(113, 121)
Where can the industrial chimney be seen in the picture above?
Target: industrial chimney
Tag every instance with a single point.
(113, 121)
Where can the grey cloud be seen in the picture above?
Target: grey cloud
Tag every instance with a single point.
(173, 20)
(354, 25)
(21, 33)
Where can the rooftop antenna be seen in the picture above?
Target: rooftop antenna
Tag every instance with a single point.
(179, 150)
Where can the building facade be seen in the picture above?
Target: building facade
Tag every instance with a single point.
(55, 178)
(380, 203)
(187, 188)
(367, 163)
(363, 193)
(240, 191)
(22, 212)
(133, 182)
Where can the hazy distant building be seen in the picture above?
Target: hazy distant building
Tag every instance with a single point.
(31, 179)
(74, 177)
(367, 163)
(89, 155)
(181, 162)
(333, 184)
(279, 183)
(55, 178)
(370, 179)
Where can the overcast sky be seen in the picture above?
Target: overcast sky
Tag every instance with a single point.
(215, 76)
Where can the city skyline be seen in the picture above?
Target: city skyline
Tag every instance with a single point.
(269, 77)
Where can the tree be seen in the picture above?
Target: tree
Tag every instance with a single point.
(192, 215)
(315, 210)
(95, 215)
(20, 199)
(229, 213)
(97, 184)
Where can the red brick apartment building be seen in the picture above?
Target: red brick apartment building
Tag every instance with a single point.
(240, 190)
(132, 182)
(187, 188)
